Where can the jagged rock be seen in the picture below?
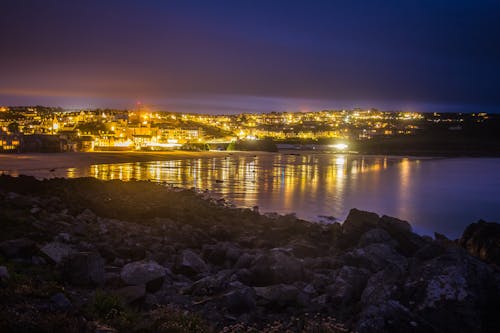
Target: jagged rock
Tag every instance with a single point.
(391, 316)
(87, 216)
(239, 301)
(63, 237)
(211, 284)
(457, 287)
(279, 295)
(189, 263)
(132, 294)
(382, 286)
(372, 236)
(18, 248)
(244, 261)
(215, 254)
(83, 269)
(376, 257)
(302, 249)
(407, 242)
(61, 301)
(357, 223)
(276, 267)
(57, 251)
(394, 224)
(4, 273)
(147, 273)
(429, 251)
(348, 285)
(482, 240)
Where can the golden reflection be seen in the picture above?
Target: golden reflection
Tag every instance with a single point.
(289, 180)
(404, 188)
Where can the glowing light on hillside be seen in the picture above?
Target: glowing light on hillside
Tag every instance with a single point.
(339, 146)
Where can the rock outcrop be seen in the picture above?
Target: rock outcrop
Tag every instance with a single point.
(119, 246)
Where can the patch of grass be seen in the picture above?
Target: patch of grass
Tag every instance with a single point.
(169, 319)
(112, 310)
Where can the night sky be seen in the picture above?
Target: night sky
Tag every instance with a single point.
(252, 56)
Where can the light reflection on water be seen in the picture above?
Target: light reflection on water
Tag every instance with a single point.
(434, 195)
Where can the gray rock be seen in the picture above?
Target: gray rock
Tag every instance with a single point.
(212, 284)
(244, 261)
(142, 272)
(390, 316)
(376, 257)
(482, 240)
(240, 301)
(457, 287)
(348, 286)
(63, 237)
(189, 263)
(61, 301)
(381, 286)
(18, 248)
(87, 216)
(358, 222)
(132, 294)
(83, 269)
(57, 251)
(276, 267)
(394, 224)
(372, 236)
(279, 295)
(4, 273)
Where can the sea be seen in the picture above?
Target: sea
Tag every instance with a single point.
(441, 195)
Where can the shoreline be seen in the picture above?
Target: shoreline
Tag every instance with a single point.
(147, 252)
(41, 161)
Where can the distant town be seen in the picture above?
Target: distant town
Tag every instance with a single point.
(49, 129)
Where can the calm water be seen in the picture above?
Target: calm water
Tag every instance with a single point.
(442, 195)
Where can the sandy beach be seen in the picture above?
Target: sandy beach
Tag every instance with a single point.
(37, 161)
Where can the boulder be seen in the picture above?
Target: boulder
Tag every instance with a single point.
(376, 257)
(132, 294)
(382, 286)
(61, 301)
(455, 292)
(482, 240)
(4, 273)
(244, 261)
(372, 236)
(18, 248)
(83, 269)
(276, 267)
(357, 223)
(189, 263)
(87, 216)
(348, 285)
(391, 316)
(239, 301)
(57, 251)
(277, 296)
(407, 242)
(147, 273)
(394, 224)
(212, 284)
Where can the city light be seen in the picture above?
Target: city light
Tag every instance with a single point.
(339, 146)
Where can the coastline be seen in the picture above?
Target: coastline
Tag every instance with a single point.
(19, 162)
(134, 255)
(40, 161)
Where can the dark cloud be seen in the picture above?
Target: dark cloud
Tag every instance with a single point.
(428, 54)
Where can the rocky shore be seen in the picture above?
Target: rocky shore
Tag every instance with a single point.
(84, 255)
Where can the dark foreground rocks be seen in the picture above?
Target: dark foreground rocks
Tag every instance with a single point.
(90, 256)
